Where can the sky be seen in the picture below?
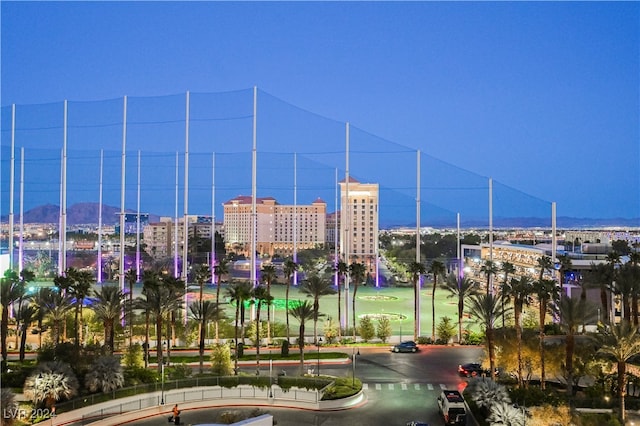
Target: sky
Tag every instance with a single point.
(541, 96)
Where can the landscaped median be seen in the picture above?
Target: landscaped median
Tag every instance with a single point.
(311, 393)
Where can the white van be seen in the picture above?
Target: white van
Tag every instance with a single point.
(452, 407)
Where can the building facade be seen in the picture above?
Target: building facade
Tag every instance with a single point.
(280, 229)
(359, 222)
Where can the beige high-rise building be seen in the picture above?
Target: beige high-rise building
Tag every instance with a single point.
(279, 227)
(359, 222)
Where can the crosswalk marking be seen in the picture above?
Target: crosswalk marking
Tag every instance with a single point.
(405, 386)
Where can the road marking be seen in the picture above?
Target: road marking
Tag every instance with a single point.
(416, 386)
(391, 387)
(430, 386)
(403, 386)
(378, 386)
(365, 386)
(443, 386)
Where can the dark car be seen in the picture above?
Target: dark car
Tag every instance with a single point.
(417, 423)
(408, 346)
(474, 369)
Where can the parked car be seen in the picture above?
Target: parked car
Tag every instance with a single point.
(417, 423)
(473, 369)
(408, 346)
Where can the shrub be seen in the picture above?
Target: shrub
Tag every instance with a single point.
(137, 376)
(383, 332)
(367, 330)
(284, 349)
(445, 330)
(133, 357)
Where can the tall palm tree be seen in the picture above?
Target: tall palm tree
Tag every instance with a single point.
(23, 278)
(357, 272)
(176, 287)
(598, 276)
(10, 291)
(573, 313)
(80, 290)
(460, 288)
(289, 268)
(268, 276)
(342, 269)
(316, 287)
(107, 306)
(219, 270)
(547, 292)
(57, 305)
(545, 263)
(520, 290)
(239, 293)
(150, 280)
(161, 301)
(202, 274)
(25, 315)
(38, 300)
(131, 277)
(303, 312)
(64, 283)
(507, 269)
(620, 342)
(416, 269)
(260, 297)
(629, 273)
(486, 309)
(489, 269)
(436, 268)
(627, 279)
(202, 313)
(565, 265)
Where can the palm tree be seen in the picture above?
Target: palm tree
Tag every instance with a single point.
(260, 296)
(220, 270)
(107, 306)
(131, 277)
(460, 288)
(57, 305)
(489, 269)
(25, 315)
(38, 300)
(487, 309)
(150, 280)
(627, 279)
(161, 302)
(520, 290)
(545, 264)
(598, 276)
(202, 313)
(51, 382)
(289, 268)
(80, 289)
(268, 276)
(507, 269)
(436, 268)
(416, 269)
(239, 293)
(342, 269)
(620, 342)
(316, 287)
(573, 313)
(303, 312)
(565, 265)
(357, 272)
(11, 290)
(105, 375)
(547, 292)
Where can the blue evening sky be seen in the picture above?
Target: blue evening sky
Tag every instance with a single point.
(541, 96)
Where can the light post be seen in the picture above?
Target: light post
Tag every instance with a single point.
(318, 343)
(162, 384)
(353, 369)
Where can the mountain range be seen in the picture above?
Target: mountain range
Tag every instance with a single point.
(87, 213)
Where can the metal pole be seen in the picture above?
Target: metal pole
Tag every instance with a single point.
(318, 344)
(162, 385)
(418, 329)
(99, 260)
(21, 237)
(122, 193)
(185, 224)
(11, 184)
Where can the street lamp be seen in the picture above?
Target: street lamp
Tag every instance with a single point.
(162, 385)
(353, 369)
(318, 343)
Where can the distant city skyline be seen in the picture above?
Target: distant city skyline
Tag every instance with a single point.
(542, 97)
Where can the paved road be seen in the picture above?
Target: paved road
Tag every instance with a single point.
(399, 388)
